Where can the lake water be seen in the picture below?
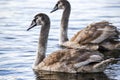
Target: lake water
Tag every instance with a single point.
(18, 46)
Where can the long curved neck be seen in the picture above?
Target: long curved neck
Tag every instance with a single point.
(42, 44)
(64, 24)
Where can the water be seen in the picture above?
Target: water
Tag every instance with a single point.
(18, 47)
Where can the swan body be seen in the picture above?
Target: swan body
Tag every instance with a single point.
(65, 60)
(91, 37)
(74, 61)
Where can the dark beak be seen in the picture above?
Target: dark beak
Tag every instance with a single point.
(54, 9)
(33, 24)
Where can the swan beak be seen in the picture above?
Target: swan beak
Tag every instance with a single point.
(54, 9)
(33, 24)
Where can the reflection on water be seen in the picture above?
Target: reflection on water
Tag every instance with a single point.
(18, 47)
(44, 75)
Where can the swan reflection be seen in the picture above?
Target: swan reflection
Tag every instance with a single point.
(45, 75)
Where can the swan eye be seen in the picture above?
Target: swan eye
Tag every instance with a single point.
(58, 2)
(60, 5)
(39, 18)
(34, 21)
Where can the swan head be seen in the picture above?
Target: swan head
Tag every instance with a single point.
(39, 19)
(61, 4)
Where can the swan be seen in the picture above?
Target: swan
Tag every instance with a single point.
(65, 60)
(95, 36)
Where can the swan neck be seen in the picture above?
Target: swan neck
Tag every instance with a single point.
(42, 44)
(64, 24)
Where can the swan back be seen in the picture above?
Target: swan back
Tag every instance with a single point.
(96, 33)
